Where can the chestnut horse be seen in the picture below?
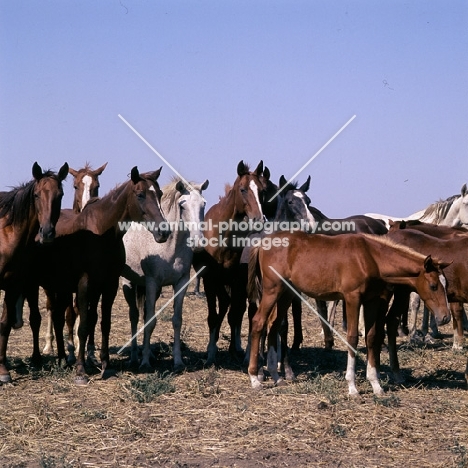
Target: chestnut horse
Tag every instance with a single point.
(88, 257)
(354, 267)
(221, 255)
(455, 249)
(28, 213)
(86, 186)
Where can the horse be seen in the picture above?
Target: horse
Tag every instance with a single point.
(28, 214)
(354, 267)
(86, 186)
(452, 211)
(88, 257)
(238, 209)
(455, 249)
(151, 265)
(441, 232)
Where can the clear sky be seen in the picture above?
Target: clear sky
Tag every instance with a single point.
(211, 82)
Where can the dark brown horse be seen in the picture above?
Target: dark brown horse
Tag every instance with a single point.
(28, 214)
(86, 185)
(354, 267)
(455, 249)
(88, 256)
(221, 256)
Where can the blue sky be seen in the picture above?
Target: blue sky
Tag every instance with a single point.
(209, 83)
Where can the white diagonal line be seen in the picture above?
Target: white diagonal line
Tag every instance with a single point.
(314, 311)
(156, 152)
(161, 309)
(313, 157)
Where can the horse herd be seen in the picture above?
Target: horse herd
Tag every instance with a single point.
(148, 238)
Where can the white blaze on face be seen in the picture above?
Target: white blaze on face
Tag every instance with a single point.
(310, 218)
(443, 281)
(86, 180)
(253, 187)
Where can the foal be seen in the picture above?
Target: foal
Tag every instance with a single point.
(352, 267)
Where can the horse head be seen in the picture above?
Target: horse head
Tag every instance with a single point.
(145, 204)
(249, 191)
(431, 285)
(463, 211)
(192, 210)
(86, 185)
(48, 195)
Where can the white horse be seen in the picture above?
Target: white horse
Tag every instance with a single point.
(150, 266)
(450, 212)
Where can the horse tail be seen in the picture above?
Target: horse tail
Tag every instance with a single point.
(254, 284)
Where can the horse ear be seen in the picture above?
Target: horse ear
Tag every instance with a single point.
(282, 181)
(205, 185)
(37, 171)
(63, 172)
(464, 190)
(266, 173)
(241, 169)
(259, 170)
(443, 265)
(155, 175)
(72, 171)
(402, 224)
(306, 185)
(100, 170)
(180, 186)
(429, 264)
(135, 175)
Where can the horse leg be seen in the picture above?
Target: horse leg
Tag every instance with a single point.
(10, 305)
(71, 319)
(35, 323)
(82, 301)
(153, 291)
(58, 304)
(414, 304)
(296, 307)
(458, 336)
(237, 310)
(109, 292)
(327, 331)
(352, 307)
(258, 324)
(93, 302)
(251, 310)
(49, 338)
(215, 289)
(177, 322)
(134, 314)
(374, 312)
(401, 299)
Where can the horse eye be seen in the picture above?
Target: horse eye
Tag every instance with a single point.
(243, 190)
(75, 187)
(433, 287)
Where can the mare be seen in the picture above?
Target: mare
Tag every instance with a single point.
(227, 227)
(86, 186)
(441, 232)
(88, 257)
(452, 211)
(455, 249)
(151, 265)
(354, 267)
(28, 214)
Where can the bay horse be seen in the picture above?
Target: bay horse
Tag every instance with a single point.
(150, 265)
(456, 273)
(86, 186)
(354, 267)
(28, 215)
(88, 257)
(441, 232)
(221, 255)
(452, 211)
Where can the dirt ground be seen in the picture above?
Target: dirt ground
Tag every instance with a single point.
(210, 417)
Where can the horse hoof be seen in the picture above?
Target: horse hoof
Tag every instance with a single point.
(71, 360)
(146, 369)
(5, 378)
(81, 380)
(179, 368)
(280, 383)
(17, 325)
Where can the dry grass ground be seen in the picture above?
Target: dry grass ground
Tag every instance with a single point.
(211, 417)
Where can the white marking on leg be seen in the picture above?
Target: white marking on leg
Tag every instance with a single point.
(373, 378)
(351, 375)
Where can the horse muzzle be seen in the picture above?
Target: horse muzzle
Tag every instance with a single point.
(161, 235)
(46, 234)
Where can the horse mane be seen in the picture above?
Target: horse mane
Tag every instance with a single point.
(170, 192)
(439, 209)
(15, 204)
(316, 213)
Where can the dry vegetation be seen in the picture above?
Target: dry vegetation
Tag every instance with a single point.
(211, 417)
